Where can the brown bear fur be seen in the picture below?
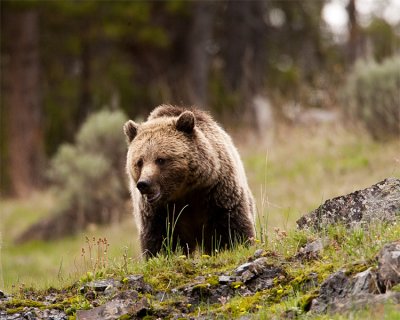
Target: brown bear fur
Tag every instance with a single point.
(186, 165)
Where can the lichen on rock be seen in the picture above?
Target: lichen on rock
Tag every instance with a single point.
(380, 202)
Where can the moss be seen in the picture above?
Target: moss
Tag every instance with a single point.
(396, 288)
(163, 278)
(185, 266)
(86, 278)
(307, 277)
(70, 311)
(275, 295)
(213, 281)
(357, 267)
(14, 310)
(239, 306)
(58, 306)
(79, 303)
(202, 288)
(124, 280)
(15, 303)
(303, 282)
(305, 301)
(236, 284)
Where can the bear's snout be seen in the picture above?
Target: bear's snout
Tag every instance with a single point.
(150, 191)
(144, 186)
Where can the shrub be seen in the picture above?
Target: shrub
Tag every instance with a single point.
(372, 96)
(88, 179)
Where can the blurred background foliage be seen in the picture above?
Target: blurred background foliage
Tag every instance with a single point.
(87, 179)
(373, 96)
(133, 55)
(273, 72)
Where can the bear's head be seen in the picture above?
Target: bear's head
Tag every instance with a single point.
(163, 157)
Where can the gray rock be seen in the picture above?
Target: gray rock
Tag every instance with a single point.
(259, 253)
(51, 298)
(343, 290)
(200, 279)
(311, 250)
(110, 291)
(225, 279)
(379, 202)
(136, 282)
(258, 275)
(264, 278)
(336, 287)
(359, 302)
(133, 278)
(389, 265)
(258, 265)
(29, 316)
(255, 267)
(197, 292)
(34, 313)
(115, 309)
(292, 313)
(362, 283)
(100, 285)
(247, 276)
(14, 316)
(242, 268)
(314, 247)
(59, 316)
(90, 295)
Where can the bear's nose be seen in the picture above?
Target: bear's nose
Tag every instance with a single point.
(143, 186)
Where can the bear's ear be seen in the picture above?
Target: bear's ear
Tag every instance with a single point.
(130, 129)
(186, 122)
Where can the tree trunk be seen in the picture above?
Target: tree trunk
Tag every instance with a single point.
(353, 42)
(245, 54)
(199, 56)
(85, 99)
(22, 101)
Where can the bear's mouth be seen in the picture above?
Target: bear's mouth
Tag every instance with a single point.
(151, 198)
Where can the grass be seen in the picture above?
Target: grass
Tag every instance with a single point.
(295, 174)
(303, 168)
(57, 262)
(353, 250)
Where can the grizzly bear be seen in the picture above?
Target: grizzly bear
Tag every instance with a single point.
(187, 182)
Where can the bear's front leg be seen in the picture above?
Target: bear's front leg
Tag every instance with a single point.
(152, 236)
(234, 226)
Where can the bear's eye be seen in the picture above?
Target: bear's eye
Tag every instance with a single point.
(160, 161)
(139, 163)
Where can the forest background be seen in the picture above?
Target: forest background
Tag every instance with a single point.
(308, 89)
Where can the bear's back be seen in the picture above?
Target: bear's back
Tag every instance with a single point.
(202, 117)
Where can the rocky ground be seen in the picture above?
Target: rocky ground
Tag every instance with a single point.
(263, 281)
